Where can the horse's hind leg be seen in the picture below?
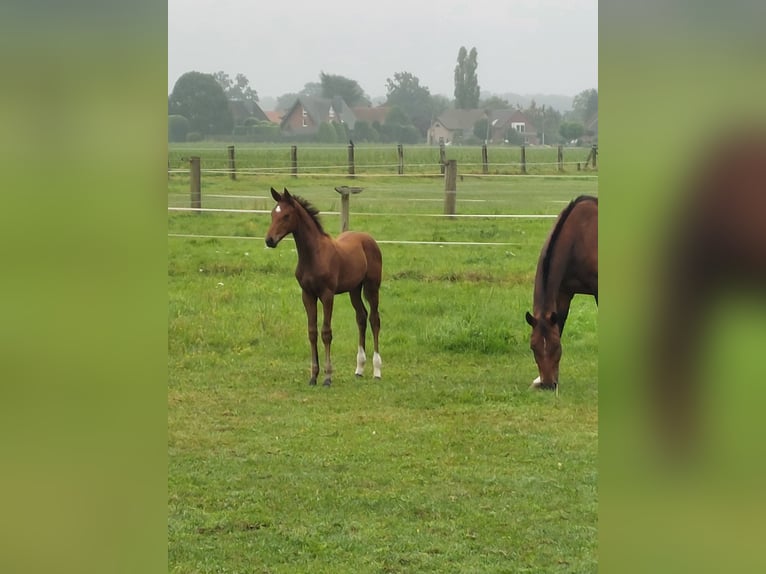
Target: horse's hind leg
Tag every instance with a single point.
(371, 294)
(327, 302)
(361, 323)
(310, 303)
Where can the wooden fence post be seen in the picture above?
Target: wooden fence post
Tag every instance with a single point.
(523, 159)
(400, 155)
(484, 160)
(561, 157)
(195, 179)
(345, 191)
(450, 187)
(442, 156)
(351, 166)
(594, 153)
(232, 165)
(294, 160)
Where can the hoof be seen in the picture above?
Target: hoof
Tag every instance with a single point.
(312, 381)
(358, 375)
(377, 378)
(327, 382)
(544, 386)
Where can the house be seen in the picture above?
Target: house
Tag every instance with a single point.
(275, 116)
(244, 109)
(456, 126)
(503, 120)
(308, 113)
(371, 115)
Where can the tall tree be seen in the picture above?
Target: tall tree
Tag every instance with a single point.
(466, 81)
(405, 92)
(236, 89)
(200, 99)
(585, 105)
(348, 89)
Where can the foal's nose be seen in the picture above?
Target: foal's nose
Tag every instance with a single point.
(270, 242)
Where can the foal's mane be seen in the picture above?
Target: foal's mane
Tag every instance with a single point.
(312, 211)
(557, 231)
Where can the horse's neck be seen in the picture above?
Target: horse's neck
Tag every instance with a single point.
(309, 240)
(547, 291)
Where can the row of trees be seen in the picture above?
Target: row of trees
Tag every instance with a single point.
(198, 107)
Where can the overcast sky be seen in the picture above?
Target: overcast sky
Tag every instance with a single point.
(524, 46)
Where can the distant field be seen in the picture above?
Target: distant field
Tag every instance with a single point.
(449, 463)
(376, 158)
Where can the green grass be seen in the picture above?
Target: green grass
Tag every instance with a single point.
(448, 464)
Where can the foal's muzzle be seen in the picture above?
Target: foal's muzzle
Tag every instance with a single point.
(270, 242)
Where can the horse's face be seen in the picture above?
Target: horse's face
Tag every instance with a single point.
(284, 218)
(546, 346)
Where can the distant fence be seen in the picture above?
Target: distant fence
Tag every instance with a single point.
(450, 190)
(365, 161)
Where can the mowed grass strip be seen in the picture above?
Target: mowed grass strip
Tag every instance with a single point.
(449, 463)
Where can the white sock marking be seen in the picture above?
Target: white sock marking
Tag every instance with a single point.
(361, 359)
(377, 363)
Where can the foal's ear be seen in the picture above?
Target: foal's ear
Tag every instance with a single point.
(531, 320)
(275, 195)
(286, 195)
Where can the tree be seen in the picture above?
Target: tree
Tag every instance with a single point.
(466, 81)
(237, 89)
(494, 103)
(200, 99)
(585, 105)
(178, 127)
(349, 90)
(327, 133)
(571, 130)
(481, 129)
(404, 91)
(364, 132)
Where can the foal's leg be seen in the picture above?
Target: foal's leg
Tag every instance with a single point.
(371, 294)
(310, 303)
(327, 301)
(361, 323)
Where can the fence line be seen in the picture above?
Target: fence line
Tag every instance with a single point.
(350, 167)
(375, 214)
(383, 241)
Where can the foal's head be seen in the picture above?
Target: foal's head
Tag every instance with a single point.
(284, 218)
(546, 346)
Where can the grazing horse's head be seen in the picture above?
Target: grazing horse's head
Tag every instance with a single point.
(545, 343)
(284, 218)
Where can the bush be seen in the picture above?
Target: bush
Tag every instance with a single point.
(194, 137)
(178, 128)
(327, 133)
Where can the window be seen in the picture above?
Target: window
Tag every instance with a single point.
(305, 116)
(518, 126)
(331, 114)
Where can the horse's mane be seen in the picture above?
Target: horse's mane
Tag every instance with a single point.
(557, 231)
(312, 211)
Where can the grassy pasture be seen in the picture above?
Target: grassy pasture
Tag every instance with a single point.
(448, 464)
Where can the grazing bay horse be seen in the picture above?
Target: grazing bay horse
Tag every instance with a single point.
(715, 252)
(351, 264)
(568, 264)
